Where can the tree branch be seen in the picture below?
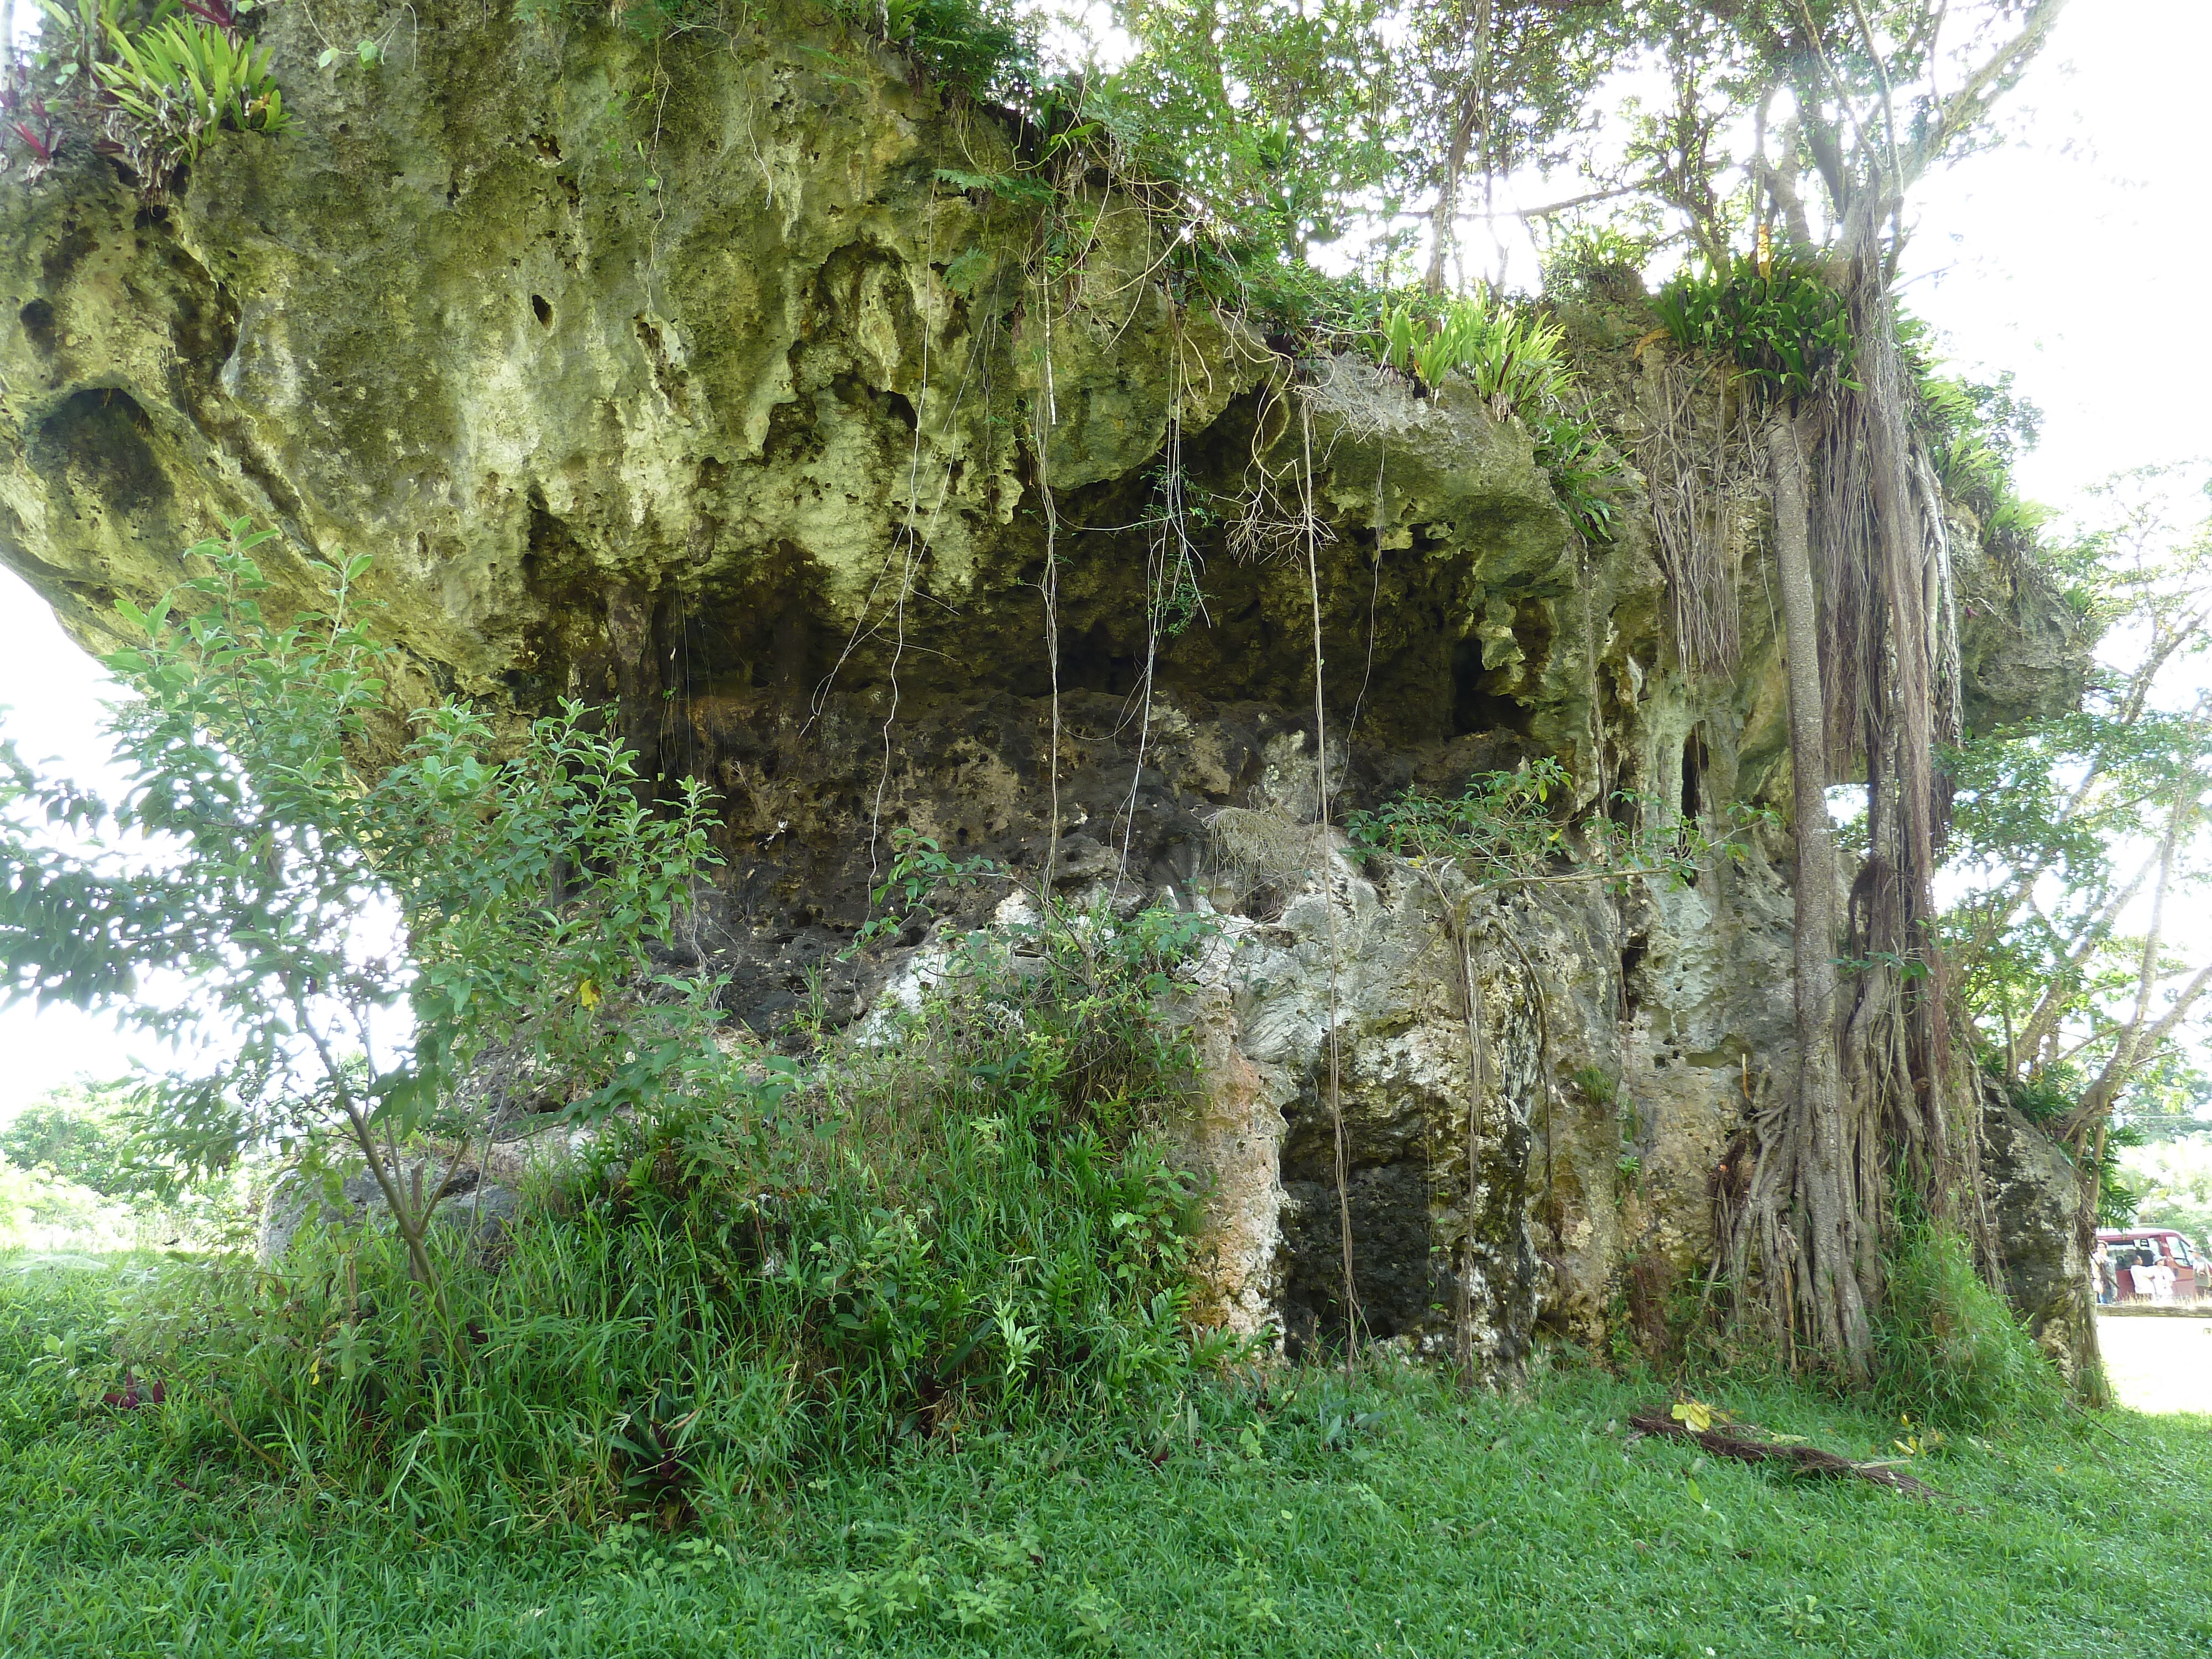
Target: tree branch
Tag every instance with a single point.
(1998, 76)
(2051, 1007)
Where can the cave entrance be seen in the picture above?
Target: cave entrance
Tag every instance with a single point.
(1475, 709)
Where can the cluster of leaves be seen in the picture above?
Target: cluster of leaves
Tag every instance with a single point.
(919, 870)
(82, 1135)
(1504, 824)
(1602, 261)
(1280, 295)
(2046, 1097)
(1775, 319)
(531, 886)
(1584, 469)
(985, 48)
(1975, 432)
(153, 81)
(969, 1589)
(1267, 119)
(75, 1174)
(176, 85)
(1516, 362)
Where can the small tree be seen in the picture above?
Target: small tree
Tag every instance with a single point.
(2070, 829)
(79, 1132)
(255, 835)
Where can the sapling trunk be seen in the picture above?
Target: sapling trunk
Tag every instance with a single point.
(410, 1221)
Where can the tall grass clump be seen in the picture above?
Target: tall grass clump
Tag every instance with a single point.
(965, 1223)
(1950, 1351)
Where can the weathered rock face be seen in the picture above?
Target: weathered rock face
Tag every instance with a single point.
(2035, 1190)
(679, 377)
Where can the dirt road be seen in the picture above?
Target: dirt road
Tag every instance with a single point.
(2158, 1365)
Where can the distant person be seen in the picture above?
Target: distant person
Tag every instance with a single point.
(2108, 1288)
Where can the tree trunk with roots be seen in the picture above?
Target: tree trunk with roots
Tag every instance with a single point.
(1882, 1119)
(1800, 1227)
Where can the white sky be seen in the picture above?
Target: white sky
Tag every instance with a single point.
(2074, 256)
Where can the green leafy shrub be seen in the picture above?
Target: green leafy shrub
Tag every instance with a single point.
(1584, 470)
(76, 33)
(2047, 1098)
(1950, 1352)
(1602, 262)
(984, 47)
(971, 1222)
(1516, 828)
(40, 1210)
(79, 1134)
(1780, 324)
(532, 885)
(1975, 432)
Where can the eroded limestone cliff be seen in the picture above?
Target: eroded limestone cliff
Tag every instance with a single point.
(682, 378)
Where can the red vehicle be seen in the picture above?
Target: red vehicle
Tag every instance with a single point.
(2134, 1256)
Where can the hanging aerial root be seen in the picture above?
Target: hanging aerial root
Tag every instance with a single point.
(1699, 452)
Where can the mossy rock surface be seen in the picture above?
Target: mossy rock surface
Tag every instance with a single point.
(679, 377)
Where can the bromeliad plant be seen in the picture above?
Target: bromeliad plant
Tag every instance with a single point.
(1517, 365)
(1516, 362)
(77, 37)
(1774, 319)
(177, 84)
(216, 904)
(147, 80)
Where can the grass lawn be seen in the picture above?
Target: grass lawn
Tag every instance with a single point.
(1396, 1519)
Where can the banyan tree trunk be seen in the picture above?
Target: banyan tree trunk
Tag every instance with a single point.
(1801, 1231)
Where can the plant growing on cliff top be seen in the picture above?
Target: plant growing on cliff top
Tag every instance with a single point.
(1775, 319)
(1516, 362)
(251, 840)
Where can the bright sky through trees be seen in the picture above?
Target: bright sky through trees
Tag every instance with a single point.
(2072, 257)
